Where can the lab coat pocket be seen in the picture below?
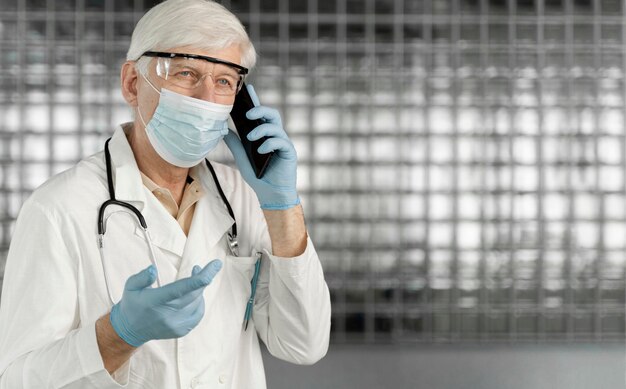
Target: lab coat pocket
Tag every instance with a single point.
(242, 265)
(240, 271)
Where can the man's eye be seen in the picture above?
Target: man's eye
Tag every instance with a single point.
(224, 82)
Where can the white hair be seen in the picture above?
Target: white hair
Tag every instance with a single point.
(201, 24)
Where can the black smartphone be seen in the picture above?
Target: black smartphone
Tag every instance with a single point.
(243, 103)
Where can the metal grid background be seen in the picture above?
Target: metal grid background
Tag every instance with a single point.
(462, 163)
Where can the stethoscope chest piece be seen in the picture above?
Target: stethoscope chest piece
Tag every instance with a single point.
(233, 245)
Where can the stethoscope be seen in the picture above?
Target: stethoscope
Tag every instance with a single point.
(233, 245)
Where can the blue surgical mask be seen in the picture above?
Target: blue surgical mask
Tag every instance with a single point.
(183, 130)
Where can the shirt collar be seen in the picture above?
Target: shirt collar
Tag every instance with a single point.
(201, 173)
(126, 177)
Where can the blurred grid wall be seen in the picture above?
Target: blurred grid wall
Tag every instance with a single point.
(461, 162)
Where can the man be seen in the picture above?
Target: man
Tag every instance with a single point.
(91, 298)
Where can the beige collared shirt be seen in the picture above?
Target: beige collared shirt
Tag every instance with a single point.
(191, 194)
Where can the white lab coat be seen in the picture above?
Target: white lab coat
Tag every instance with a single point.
(54, 289)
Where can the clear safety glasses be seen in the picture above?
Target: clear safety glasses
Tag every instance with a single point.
(188, 71)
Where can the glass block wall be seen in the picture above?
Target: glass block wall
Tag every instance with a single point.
(462, 162)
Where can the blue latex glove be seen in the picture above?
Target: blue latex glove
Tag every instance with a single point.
(277, 188)
(170, 311)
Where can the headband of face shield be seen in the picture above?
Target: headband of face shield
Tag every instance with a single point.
(183, 130)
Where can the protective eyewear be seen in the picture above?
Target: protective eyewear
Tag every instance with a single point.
(188, 71)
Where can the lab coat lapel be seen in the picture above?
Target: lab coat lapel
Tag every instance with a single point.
(211, 221)
(164, 230)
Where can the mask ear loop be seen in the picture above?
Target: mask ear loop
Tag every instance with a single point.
(141, 118)
(149, 83)
(155, 89)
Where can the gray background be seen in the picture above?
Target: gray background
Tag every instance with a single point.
(451, 366)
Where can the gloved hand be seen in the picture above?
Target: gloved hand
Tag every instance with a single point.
(170, 311)
(277, 188)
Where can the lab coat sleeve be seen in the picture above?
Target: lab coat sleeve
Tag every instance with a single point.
(292, 309)
(42, 342)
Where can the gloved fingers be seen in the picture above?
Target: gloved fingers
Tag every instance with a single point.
(182, 321)
(267, 114)
(191, 318)
(284, 148)
(236, 148)
(269, 130)
(199, 311)
(178, 289)
(196, 308)
(253, 96)
(187, 311)
(186, 300)
(141, 280)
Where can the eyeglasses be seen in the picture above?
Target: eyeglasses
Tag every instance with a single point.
(188, 71)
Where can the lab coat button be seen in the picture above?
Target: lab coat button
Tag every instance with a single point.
(194, 383)
(222, 379)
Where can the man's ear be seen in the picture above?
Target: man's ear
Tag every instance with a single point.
(128, 78)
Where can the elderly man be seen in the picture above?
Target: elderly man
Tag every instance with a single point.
(147, 266)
